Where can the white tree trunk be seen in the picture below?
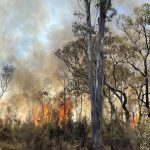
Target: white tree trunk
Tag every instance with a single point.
(99, 83)
(96, 91)
(90, 66)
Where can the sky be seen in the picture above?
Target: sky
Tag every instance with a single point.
(47, 23)
(25, 23)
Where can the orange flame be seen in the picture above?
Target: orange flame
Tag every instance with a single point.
(63, 113)
(46, 113)
(35, 118)
(134, 122)
(42, 115)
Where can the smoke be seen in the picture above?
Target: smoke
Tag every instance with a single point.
(127, 6)
(38, 70)
(30, 31)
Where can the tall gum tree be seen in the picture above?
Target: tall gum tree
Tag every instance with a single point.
(93, 56)
(96, 86)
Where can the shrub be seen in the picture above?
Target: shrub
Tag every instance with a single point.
(143, 134)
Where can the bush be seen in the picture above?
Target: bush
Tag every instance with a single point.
(81, 130)
(118, 136)
(143, 134)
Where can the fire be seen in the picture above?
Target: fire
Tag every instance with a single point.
(46, 113)
(63, 113)
(43, 114)
(134, 122)
(35, 118)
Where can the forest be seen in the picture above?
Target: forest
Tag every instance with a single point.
(85, 85)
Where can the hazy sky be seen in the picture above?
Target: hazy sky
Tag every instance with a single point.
(27, 23)
(47, 23)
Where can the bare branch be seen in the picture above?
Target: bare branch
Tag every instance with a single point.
(5, 78)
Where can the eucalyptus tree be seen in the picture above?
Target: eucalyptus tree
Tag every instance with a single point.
(136, 31)
(96, 86)
(74, 56)
(118, 77)
(90, 48)
(138, 93)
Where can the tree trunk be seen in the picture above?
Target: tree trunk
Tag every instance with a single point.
(146, 86)
(90, 73)
(76, 102)
(96, 91)
(127, 113)
(89, 51)
(81, 107)
(98, 110)
(140, 112)
(64, 100)
(112, 107)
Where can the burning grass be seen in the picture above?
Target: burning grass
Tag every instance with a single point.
(69, 136)
(48, 136)
(48, 114)
(53, 128)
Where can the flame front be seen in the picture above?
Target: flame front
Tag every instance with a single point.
(134, 122)
(46, 113)
(63, 113)
(35, 118)
(43, 114)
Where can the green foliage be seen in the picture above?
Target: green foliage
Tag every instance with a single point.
(118, 135)
(81, 131)
(143, 14)
(73, 134)
(143, 133)
(27, 136)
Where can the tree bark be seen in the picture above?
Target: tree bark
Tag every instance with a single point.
(127, 113)
(76, 103)
(81, 103)
(146, 84)
(96, 90)
(90, 74)
(112, 106)
(64, 99)
(98, 110)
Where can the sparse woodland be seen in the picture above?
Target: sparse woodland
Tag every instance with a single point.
(108, 70)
